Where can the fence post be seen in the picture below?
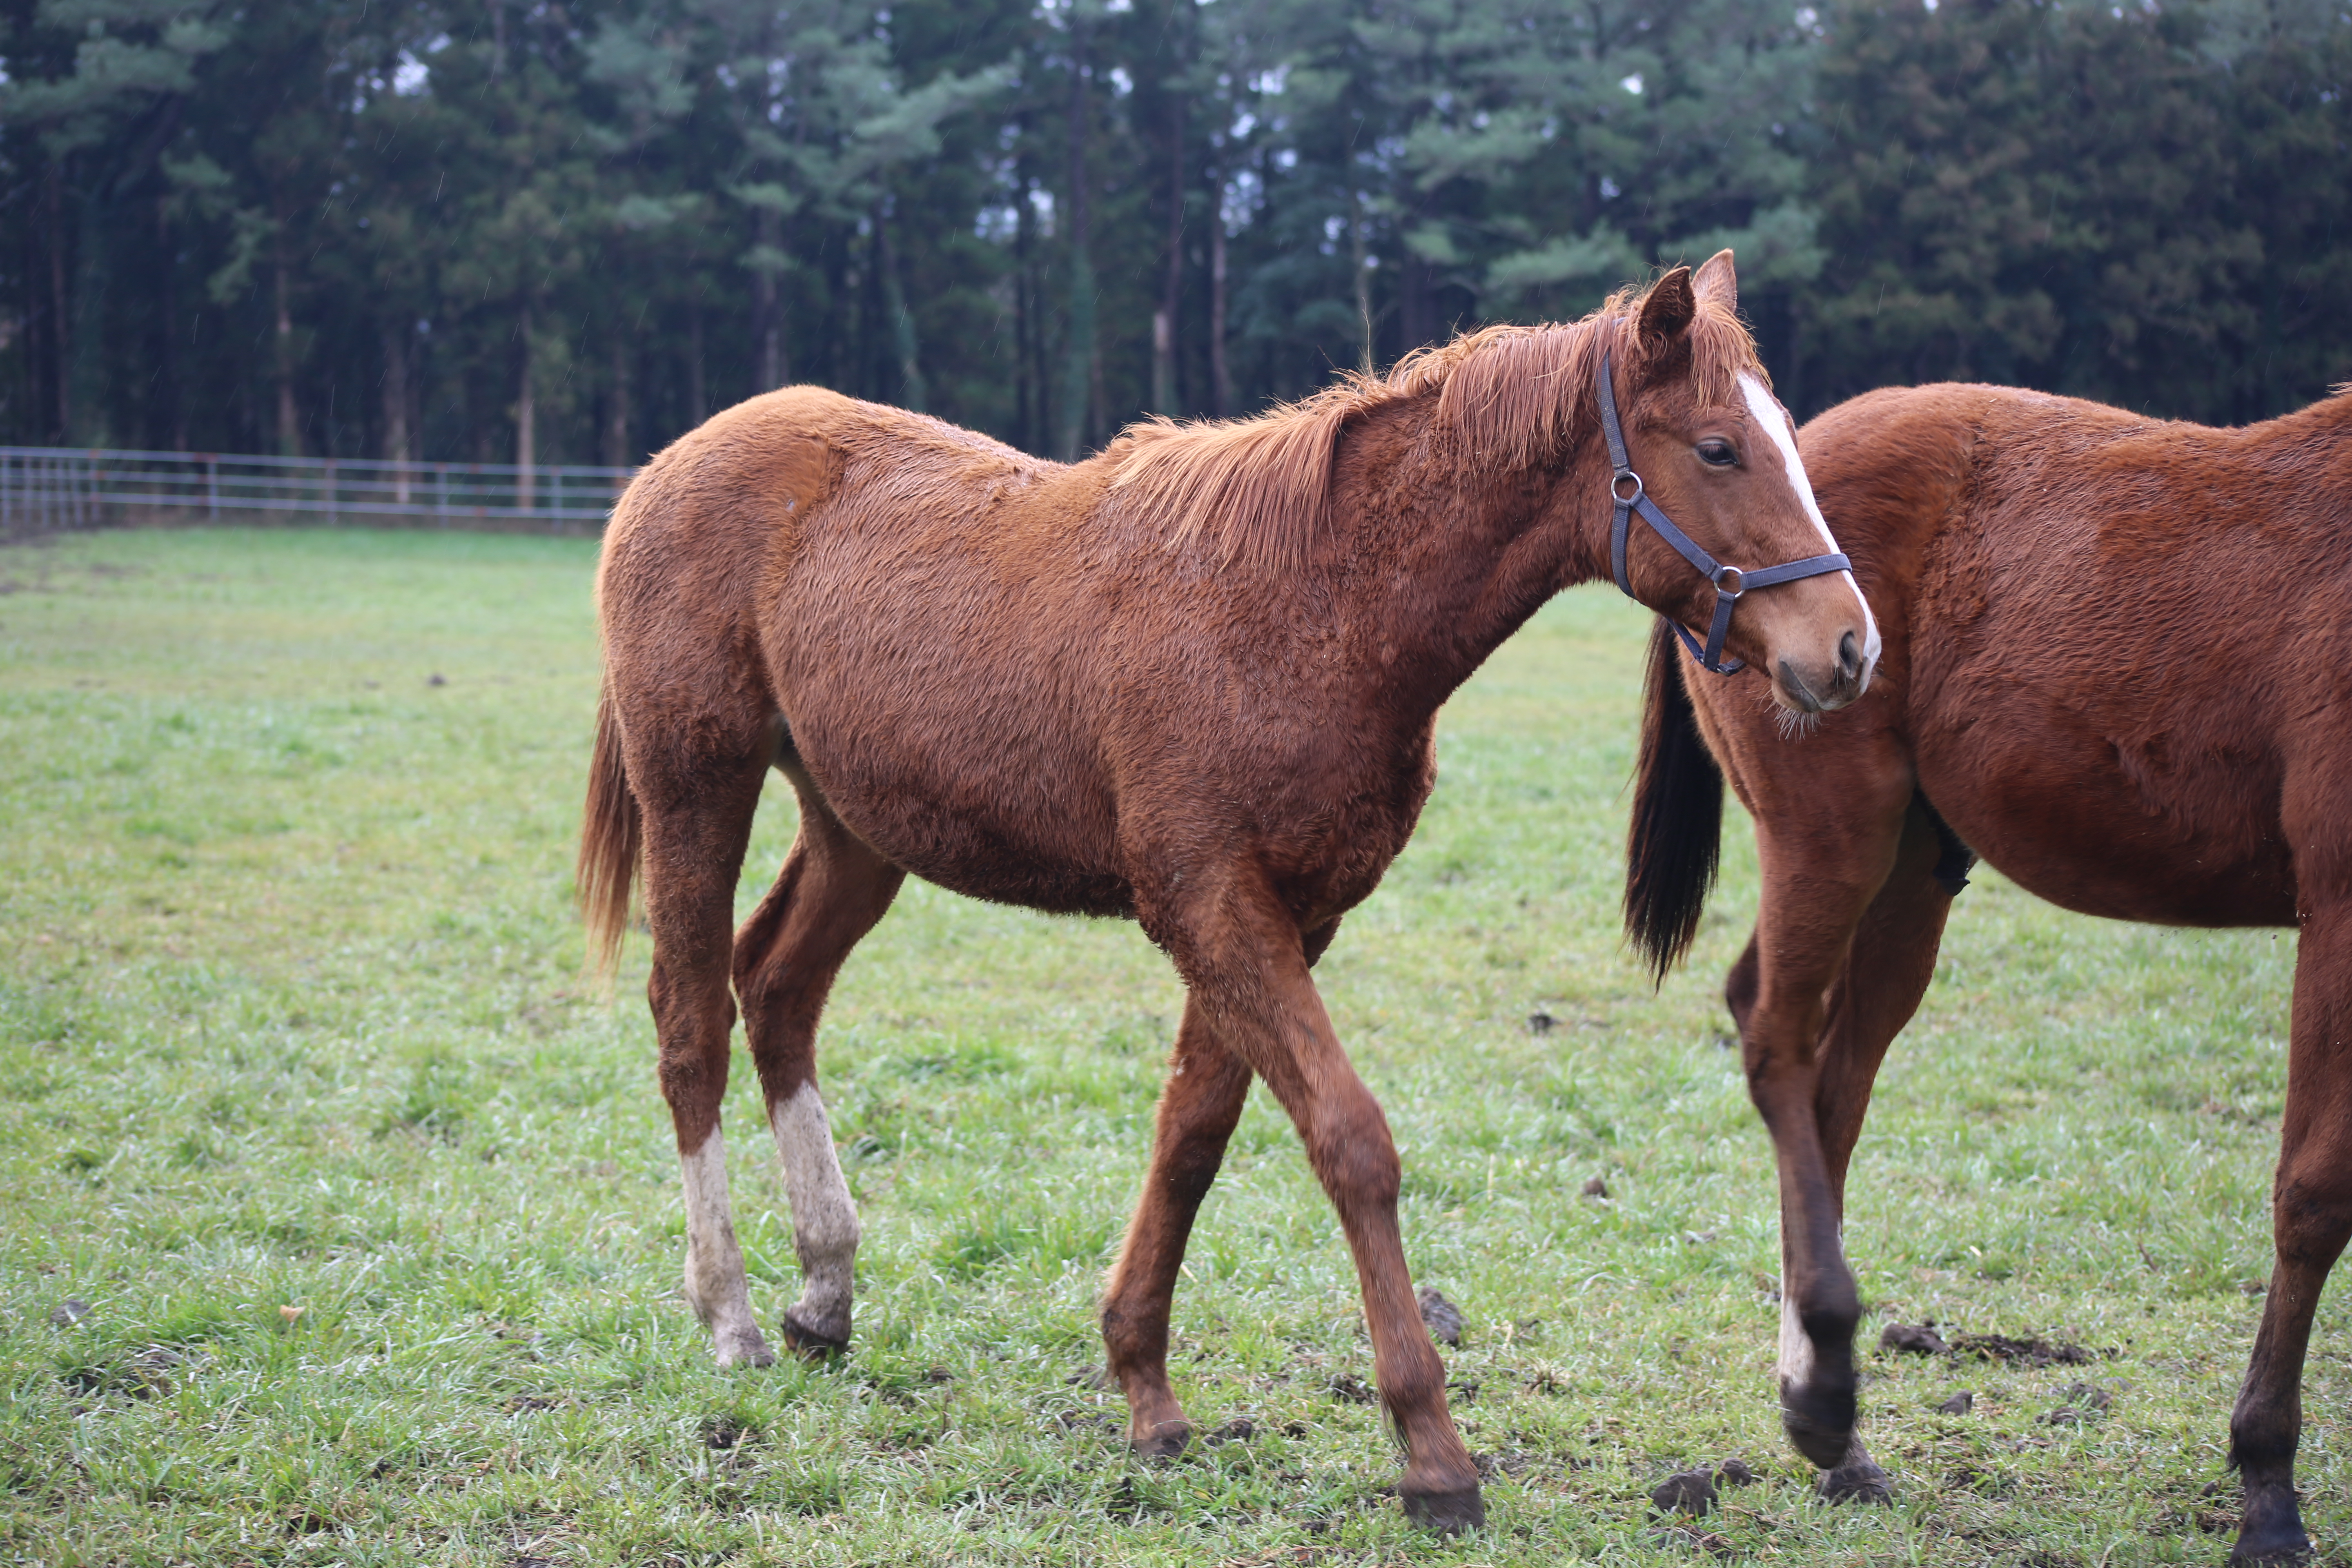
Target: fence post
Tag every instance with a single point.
(332, 516)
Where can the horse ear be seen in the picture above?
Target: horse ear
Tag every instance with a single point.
(1668, 308)
(1717, 282)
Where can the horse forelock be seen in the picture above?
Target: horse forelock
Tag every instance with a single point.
(1506, 395)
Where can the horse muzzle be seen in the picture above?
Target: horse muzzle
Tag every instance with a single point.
(1824, 686)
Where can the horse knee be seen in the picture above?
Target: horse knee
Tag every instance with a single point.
(1349, 1144)
(2311, 1219)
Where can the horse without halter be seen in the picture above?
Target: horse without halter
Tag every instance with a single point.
(1193, 680)
(2129, 700)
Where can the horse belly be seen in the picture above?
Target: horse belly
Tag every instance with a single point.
(2091, 828)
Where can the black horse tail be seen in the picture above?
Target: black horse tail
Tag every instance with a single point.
(1676, 835)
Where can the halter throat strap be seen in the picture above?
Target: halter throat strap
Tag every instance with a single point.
(1729, 582)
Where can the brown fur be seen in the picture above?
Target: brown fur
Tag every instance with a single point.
(1191, 680)
(2113, 664)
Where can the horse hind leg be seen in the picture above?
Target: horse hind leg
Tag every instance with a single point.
(698, 821)
(2311, 1219)
(830, 892)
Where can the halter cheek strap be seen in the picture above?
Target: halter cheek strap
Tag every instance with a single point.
(1729, 582)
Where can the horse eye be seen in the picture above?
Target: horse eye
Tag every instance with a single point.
(1717, 454)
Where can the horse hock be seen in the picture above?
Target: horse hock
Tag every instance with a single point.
(824, 1224)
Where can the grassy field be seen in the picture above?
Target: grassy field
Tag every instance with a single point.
(375, 1215)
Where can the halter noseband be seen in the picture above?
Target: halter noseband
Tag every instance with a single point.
(1729, 582)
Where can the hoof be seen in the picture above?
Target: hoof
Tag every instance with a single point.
(1166, 1441)
(744, 1347)
(1823, 1445)
(1447, 1513)
(1818, 1422)
(1860, 1481)
(2272, 1527)
(813, 1344)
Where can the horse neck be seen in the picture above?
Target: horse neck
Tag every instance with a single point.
(1447, 561)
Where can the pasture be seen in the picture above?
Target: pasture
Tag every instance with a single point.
(342, 1222)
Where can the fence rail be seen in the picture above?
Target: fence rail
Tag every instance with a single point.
(44, 488)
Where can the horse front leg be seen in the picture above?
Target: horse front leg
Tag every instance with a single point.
(2311, 1218)
(1207, 1087)
(1818, 889)
(1892, 960)
(1248, 964)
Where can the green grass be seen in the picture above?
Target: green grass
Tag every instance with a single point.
(377, 1212)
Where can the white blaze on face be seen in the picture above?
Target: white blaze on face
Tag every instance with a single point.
(1774, 421)
(825, 1220)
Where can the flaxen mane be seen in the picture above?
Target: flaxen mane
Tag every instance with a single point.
(1507, 397)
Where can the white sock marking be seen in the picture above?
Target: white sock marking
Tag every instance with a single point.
(1796, 1364)
(824, 1221)
(1775, 422)
(715, 1285)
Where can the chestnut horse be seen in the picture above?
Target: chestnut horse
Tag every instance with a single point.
(2113, 667)
(1191, 680)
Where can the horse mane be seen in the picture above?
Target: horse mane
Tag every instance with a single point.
(1509, 396)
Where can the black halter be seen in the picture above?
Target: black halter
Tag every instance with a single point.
(1729, 582)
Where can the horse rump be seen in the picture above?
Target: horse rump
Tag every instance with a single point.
(1675, 838)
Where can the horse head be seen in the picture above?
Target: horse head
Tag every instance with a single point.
(1734, 543)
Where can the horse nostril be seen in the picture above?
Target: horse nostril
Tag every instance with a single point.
(1849, 655)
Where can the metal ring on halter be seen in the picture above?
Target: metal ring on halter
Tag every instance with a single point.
(1622, 475)
(1737, 586)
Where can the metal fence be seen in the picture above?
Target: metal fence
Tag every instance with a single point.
(45, 488)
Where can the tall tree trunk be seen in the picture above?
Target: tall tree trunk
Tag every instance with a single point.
(290, 423)
(1221, 379)
(1082, 408)
(60, 324)
(526, 420)
(170, 420)
(1363, 269)
(912, 394)
(767, 320)
(1164, 390)
(396, 437)
(1029, 426)
(698, 406)
(618, 420)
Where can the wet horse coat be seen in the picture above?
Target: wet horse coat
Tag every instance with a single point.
(2115, 667)
(1191, 680)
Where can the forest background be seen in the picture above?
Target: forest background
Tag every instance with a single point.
(488, 230)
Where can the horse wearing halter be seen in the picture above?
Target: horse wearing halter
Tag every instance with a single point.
(1729, 582)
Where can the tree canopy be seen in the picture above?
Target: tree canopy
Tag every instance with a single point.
(485, 229)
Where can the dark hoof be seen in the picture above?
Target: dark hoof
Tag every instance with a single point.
(1823, 1442)
(2272, 1531)
(1861, 1481)
(1447, 1513)
(1168, 1441)
(813, 1344)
